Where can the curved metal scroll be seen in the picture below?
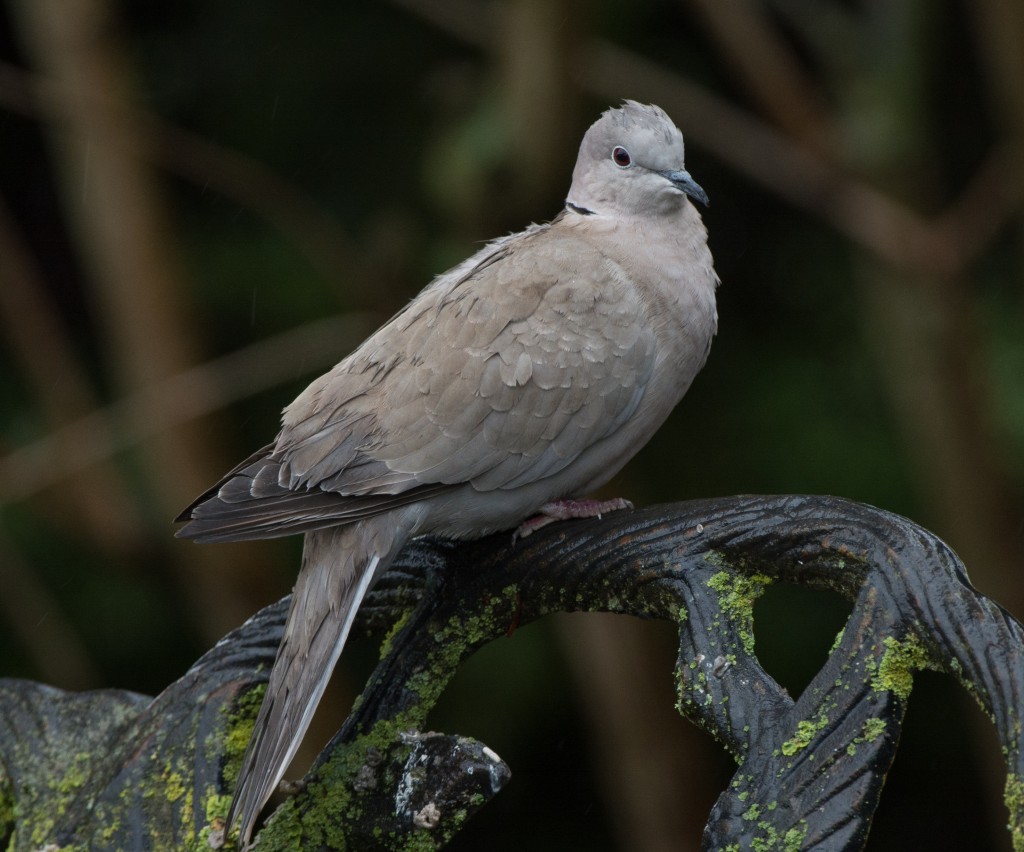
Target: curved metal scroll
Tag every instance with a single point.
(155, 774)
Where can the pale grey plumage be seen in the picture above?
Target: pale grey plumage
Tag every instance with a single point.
(530, 372)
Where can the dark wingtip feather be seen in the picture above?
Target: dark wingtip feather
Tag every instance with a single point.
(189, 512)
(249, 504)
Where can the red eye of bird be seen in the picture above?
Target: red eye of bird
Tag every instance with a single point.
(620, 156)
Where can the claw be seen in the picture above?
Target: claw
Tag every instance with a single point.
(564, 510)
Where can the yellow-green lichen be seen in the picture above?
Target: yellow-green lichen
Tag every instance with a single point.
(111, 830)
(736, 596)
(871, 731)
(770, 839)
(793, 840)
(1013, 798)
(955, 668)
(241, 721)
(174, 784)
(396, 628)
(895, 672)
(216, 805)
(806, 731)
(174, 787)
(7, 814)
(334, 792)
(73, 779)
(453, 641)
(65, 789)
(216, 811)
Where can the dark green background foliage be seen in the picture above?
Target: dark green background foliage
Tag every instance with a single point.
(325, 159)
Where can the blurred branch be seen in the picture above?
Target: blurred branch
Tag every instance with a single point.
(124, 234)
(117, 215)
(313, 231)
(877, 222)
(129, 134)
(99, 504)
(829, 32)
(179, 399)
(656, 771)
(999, 25)
(990, 198)
(472, 22)
(865, 214)
(538, 40)
(37, 619)
(925, 337)
(768, 70)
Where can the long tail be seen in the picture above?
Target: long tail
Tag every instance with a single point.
(339, 565)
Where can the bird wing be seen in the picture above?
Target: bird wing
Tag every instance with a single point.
(502, 372)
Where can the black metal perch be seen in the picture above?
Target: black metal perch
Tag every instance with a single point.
(115, 770)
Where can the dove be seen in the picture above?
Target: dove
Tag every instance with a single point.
(513, 385)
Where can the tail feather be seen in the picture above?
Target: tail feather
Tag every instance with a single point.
(339, 565)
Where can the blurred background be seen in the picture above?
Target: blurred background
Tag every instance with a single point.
(205, 203)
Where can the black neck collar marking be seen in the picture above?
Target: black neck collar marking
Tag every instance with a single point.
(577, 209)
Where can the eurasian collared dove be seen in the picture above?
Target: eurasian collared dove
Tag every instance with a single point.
(528, 374)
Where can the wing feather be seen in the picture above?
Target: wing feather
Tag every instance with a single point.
(498, 374)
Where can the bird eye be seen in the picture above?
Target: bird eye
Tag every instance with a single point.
(621, 158)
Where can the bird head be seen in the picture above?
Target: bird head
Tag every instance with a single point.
(631, 162)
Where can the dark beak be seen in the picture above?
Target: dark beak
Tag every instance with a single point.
(682, 181)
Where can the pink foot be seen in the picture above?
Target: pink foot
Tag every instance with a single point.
(564, 510)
